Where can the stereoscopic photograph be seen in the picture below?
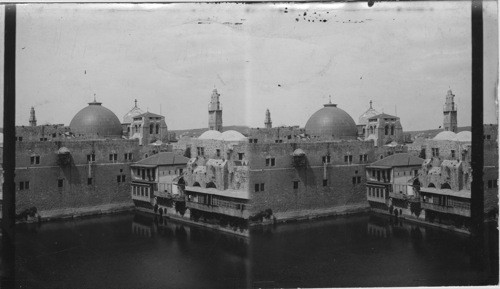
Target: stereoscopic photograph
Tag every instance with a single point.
(249, 144)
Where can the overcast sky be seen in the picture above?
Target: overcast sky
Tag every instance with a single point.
(403, 56)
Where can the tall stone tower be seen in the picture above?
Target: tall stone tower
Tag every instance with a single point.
(450, 113)
(268, 122)
(32, 117)
(215, 112)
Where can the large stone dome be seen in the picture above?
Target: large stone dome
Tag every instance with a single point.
(331, 121)
(96, 120)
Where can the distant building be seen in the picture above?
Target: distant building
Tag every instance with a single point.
(128, 118)
(148, 128)
(363, 120)
(384, 129)
(267, 122)
(450, 113)
(392, 184)
(32, 120)
(215, 112)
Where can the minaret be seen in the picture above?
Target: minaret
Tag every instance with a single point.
(32, 117)
(450, 113)
(268, 122)
(215, 112)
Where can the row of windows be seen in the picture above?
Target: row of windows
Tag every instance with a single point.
(227, 204)
(24, 185)
(435, 152)
(252, 140)
(140, 191)
(149, 173)
(376, 192)
(356, 180)
(120, 178)
(35, 160)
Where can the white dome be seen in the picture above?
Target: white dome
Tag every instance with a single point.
(232, 135)
(465, 136)
(210, 134)
(445, 135)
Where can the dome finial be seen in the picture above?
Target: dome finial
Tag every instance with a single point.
(135, 101)
(371, 105)
(94, 98)
(330, 99)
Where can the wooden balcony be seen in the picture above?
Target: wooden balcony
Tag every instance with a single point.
(446, 209)
(239, 213)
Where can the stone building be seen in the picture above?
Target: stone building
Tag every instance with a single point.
(216, 180)
(148, 128)
(450, 113)
(267, 122)
(215, 112)
(446, 177)
(76, 170)
(363, 120)
(155, 182)
(384, 129)
(129, 117)
(321, 173)
(392, 185)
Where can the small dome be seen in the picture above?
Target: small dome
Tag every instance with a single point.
(232, 135)
(129, 116)
(95, 119)
(363, 119)
(445, 135)
(331, 121)
(464, 136)
(210, 134)
(63, 151)
(298, 153)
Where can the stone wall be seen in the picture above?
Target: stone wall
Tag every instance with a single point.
(59, 185)
(311, 198)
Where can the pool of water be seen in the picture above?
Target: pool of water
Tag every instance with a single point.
(136, 250)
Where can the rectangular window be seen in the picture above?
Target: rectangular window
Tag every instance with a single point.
(257, 187)
(21, 186)
(373, 173)
(325, 183)
(358, 179)
(118, 179)
(26, 185)
(353, 180)
(60, 183)
(217, 152)
(254, 140)
(125, 156)
(250, 140)
(346, 159)
(350, 159)
(365, 157)
(262, 187)
(490, 184)
(89, 181)
(295, 184)
(240, 156)
(415, 172)
(180, 171)
(326, 159)
(123, 178)
(267, 162)
(91, 158)
(273, 162)
(452, 154)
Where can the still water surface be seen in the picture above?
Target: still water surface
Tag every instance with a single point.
(137, 251)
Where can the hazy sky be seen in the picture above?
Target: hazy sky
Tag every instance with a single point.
(400, 55)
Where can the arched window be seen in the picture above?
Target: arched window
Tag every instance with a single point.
(445, 186)
(392, 129)
(386, 130)
(128, 129)
(151, 126)
(211, 185)
(364, 131)
(157, 128)
(136, 128)
(431, 185)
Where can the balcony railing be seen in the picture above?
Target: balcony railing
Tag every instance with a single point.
(220, 210)
(446, 209)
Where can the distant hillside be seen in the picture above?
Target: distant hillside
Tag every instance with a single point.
(196, 132)
(430, 133)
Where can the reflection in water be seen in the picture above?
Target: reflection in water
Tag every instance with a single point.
(367, 250)
(128, 251)
(143, 251)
